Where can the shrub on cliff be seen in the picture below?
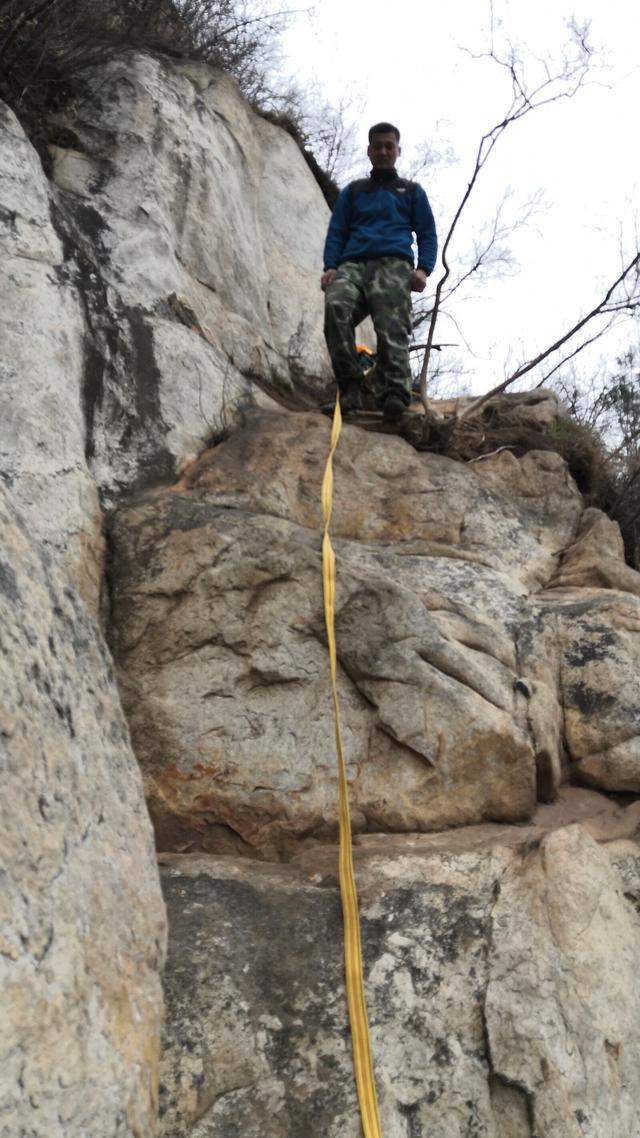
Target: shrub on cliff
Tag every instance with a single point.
(603, 440)
(45, 45)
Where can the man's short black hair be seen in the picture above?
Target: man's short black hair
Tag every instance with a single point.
(384, 128)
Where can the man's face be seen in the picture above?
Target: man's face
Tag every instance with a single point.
(383, 151)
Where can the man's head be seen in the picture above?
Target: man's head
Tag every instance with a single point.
(383, 150)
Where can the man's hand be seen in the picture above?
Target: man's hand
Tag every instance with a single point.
(418, 280)
(327, 277)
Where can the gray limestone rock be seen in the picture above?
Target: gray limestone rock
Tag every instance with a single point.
(561, 1003)
(470, 683)
(501, 980)
(42, 333)
(198, 231)
(82, 924)
(162, 282)
(153, 294)
(580, 648)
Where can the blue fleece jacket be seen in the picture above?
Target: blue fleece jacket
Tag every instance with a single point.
(376, 217)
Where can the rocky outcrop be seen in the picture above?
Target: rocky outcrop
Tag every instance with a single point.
(581, 652)
(159, 292)
(42, 332)
(468, 680)
(204, 229)
(162, 283)
(494, 1007)
(81, 916)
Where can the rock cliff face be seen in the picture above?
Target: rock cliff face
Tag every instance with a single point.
(42, 427)
(161, 330)
(494, 1007)
(81, 916)
(473, 677)
(154, 289)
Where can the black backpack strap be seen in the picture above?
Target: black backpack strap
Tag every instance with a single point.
(411, 187)
(359, 184)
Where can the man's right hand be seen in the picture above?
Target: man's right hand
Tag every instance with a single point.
(326, 278)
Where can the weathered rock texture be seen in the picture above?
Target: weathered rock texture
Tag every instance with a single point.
(81, 916)
(204, 228)
(156, 293)
(496, 1008)
(467, 679)
(162, 282)
(42, 429)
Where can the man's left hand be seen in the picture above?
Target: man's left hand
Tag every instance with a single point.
(418, 280)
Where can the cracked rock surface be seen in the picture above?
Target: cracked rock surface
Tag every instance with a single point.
(158, 289)
(473, 680)
(197, 230)
(82, 924)
(163, 279)
(495, 1007)
(42, 330)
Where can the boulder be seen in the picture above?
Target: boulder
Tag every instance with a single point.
(454, 706)
(558, 1010)
(500, 973)
(580, 649)
(82, 923)
(595, 559)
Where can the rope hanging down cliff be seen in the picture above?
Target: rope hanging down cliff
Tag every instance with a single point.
(361, 1044)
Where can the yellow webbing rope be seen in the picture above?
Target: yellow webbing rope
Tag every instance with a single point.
(362, 1063)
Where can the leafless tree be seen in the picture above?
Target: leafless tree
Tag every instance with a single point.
(607, 401)
(622, 296)
(607, 404)
(326, 130)
(525, 97)
(488, 256)
(331, 133)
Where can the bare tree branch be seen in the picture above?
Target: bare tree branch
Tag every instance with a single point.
(488, 253)
(576, 351)
(29, 14)
(46, 44)
(601, 308)
(551, 89)
(434, 347)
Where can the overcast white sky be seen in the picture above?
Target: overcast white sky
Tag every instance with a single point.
(406, 62)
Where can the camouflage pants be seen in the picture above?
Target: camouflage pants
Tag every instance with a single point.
(380, 289)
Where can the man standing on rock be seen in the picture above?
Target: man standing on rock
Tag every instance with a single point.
(369, 271)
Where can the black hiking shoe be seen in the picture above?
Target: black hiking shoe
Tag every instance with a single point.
(350, 400)
(327, 409)
(394, 408)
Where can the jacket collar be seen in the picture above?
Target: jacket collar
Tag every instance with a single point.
(383, 176)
